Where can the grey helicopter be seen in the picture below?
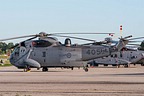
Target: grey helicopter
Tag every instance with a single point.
(128, 55)
(48, 52)
(141, 48)
(124, 57)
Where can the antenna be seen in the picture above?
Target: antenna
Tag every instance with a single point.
(120, 30)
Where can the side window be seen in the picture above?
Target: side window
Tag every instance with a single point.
(22, 49)
(16, 51)
(43, 54)
(121, 55)
(41, 43)
(115, 56)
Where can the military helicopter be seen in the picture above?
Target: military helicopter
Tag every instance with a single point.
(128, 55)
(47, 52)
(141, 48)
(125, 58)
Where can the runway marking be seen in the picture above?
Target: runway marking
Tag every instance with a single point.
(75, 91)
(82, 82)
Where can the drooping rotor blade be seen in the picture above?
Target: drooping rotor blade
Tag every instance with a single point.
(73, 37)
(41, 34)
(127, 37)
(14, 46)
(17, 37)
(31, 38)
(22, 42)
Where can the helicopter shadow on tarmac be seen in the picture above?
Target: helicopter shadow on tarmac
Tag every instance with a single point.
(130, 74)
(32, 71)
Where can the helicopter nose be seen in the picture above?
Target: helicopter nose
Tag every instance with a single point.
(11, 59)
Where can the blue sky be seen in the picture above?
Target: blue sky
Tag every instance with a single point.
(24, 17)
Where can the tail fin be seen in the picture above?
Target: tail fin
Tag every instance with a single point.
(122, 42)
(141, 46)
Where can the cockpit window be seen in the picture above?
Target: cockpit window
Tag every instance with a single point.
(16, 51)
(41, 43)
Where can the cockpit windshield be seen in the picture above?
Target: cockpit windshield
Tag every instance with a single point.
(16, 51)
(41, 43)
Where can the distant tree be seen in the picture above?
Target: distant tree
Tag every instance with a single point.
(10, 45)
(3, 47)
(1, 52)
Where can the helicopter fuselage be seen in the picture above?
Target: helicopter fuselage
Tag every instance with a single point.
(48, 52)
(58, 56)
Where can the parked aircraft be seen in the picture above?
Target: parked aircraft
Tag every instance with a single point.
(47, 52)
(125, 57)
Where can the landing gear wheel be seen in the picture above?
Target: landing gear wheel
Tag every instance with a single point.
(72, 68)
(44, 69)
(27, 69)
(118, 66)
(126, 66)
(96, 65)
(105, 64)
(86, 69)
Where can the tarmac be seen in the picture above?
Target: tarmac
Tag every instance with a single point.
(103, 81)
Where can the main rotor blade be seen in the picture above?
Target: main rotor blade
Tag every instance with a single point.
(56, 34)
(31, 38)
(22, 42)
(74, 37)
(82, 33)
(134, 44)
(95, 43)
(136, 38)
(134, 41)
(17, 37)
(128, 37)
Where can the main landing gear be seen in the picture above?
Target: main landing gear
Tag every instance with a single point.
(85, 69)
(126, 65)
(44, 69)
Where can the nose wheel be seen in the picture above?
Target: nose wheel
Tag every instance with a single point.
(27, 69)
